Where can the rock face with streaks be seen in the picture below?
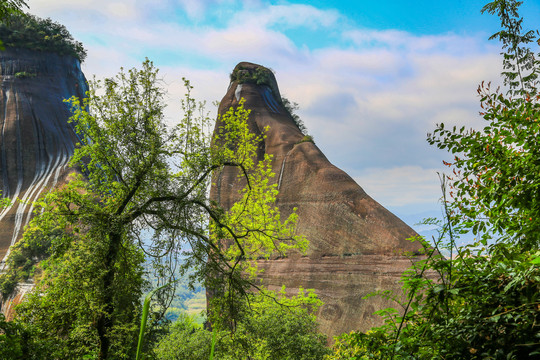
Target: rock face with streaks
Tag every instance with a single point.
(36, 140)
(356, 245)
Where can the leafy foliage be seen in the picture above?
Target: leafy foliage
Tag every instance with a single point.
(28, 31)
(24, 75)
(16, 342)
(187, 340)
(519, 62)
(24, 255)
(270, 326)
(143, 190)
(484, 302)
(68, 301)
(306, 138)
(292, 107)
(487, 309)
(259, 76)
(495, 170)
(9, 7)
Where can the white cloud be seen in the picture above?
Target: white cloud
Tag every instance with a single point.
(121, 10)
(397, 39)
(113, 11)
(401, 186)
(291, 15)
(369, 99)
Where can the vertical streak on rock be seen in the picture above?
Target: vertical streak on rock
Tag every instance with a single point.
(5, 139)
(20, 171)
(39, 181)
(20, 165)
(238, 92)
(282, 167)
(36, 140)
(5, 190)
(39, 154)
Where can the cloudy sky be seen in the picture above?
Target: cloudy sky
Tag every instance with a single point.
(372, 78)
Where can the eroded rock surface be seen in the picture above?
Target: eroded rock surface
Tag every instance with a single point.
(36, 141)
(356, 245)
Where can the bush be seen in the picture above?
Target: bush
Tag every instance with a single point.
(307, 138)
(187, 340)
(24, 257)
(24, 75)
(259, 76)
(484, 306)
(270, 327)
(292, 107)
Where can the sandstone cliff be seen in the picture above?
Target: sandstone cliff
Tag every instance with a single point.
(356, 245)
(36, 141)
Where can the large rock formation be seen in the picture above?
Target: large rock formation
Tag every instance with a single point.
(36, 141)
(356, 245)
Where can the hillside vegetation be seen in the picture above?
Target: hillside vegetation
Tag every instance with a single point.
(31, 32)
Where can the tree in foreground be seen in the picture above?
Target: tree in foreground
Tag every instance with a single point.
(485, 303)
(270, 326)
(142, 191)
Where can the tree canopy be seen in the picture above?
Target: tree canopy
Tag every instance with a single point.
(31, 32)
(142, 191)
(9, 7)
(270, 326)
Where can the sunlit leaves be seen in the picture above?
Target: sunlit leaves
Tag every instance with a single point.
(144, 187)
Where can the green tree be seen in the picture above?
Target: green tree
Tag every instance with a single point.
(143, 186)
(269, 326)
(11, 7)
(496, 170)
(8, 8)
(484, 301)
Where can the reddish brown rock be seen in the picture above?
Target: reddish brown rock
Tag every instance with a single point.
(36, 141)
(356, 245)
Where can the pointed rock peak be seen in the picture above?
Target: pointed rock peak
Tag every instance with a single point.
(249, 73)
(355, 244)
(257, 85)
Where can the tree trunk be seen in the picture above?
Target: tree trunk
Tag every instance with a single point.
(105, 320)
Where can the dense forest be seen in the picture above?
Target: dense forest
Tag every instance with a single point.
(137, 221)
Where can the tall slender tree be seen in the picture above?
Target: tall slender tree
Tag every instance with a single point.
(143, 187)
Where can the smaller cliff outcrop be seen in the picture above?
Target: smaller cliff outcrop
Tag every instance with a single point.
(39, 68)
(356, 245)
(36, 140)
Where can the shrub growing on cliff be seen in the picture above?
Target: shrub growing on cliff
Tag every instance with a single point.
(292, 107)
(259, 76)
(30, 32)
(8, 8)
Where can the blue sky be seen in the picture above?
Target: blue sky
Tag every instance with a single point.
(372, 78)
